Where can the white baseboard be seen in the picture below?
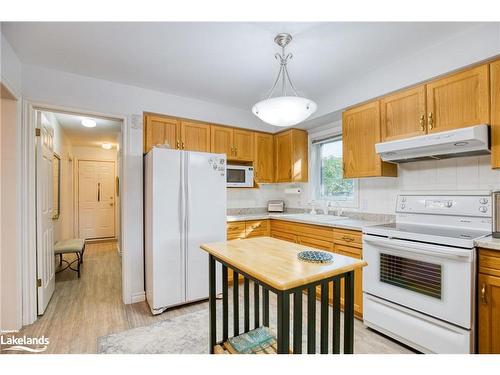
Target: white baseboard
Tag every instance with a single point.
(138, 297)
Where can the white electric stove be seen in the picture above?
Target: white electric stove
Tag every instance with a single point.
(419, 285)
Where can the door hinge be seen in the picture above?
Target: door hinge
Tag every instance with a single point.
(37, 132)
(39, 283)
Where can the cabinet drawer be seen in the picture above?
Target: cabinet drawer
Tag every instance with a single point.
(315, 243)
(354, 252)
(235, 230)
(489, 262)
(307, 230)
(284, 236)
(257, 228)
(347, 237)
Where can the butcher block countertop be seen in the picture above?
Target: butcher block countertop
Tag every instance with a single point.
(275, 263)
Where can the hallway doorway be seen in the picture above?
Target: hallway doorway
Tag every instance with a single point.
(78, 162)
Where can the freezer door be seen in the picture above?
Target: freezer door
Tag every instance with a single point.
(164, 223)
(205, 217)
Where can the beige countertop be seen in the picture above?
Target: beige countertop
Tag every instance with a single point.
(488, 243)
(275, 262)
(336, 222)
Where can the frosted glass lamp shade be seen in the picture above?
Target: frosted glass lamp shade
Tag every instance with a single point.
(284, 110)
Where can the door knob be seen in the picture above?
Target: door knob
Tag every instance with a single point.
(111, 204)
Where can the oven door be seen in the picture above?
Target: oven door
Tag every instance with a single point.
(432, 279)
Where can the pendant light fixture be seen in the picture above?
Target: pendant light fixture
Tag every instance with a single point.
(286, 109)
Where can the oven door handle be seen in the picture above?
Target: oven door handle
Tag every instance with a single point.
(433, 250)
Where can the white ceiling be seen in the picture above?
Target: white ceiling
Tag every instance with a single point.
(106, 130)
(227, 63)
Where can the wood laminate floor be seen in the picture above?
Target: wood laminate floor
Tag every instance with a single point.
(81, 310)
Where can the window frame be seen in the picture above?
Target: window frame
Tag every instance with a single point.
(315, 146)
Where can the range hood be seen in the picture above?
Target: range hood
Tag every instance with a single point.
(468, 141)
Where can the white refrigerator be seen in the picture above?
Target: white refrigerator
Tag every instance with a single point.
(185, 206)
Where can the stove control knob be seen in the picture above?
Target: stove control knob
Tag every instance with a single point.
(403, 206)
(448, 204)
(483, 200)
(483, 209)
(403, 199)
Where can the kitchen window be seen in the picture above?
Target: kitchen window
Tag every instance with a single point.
(329, 184)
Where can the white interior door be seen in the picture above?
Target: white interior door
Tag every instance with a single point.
(96, 199)
(44, 206)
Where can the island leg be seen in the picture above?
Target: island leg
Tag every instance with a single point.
(283, 322)
(349, 313)
(211, 301)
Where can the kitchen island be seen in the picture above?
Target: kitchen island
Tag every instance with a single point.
(273, 266)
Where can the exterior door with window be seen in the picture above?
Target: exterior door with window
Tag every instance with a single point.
(96, 199)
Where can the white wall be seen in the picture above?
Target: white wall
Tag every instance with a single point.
(10, 67)
(10, 301)
(10, 237)
(464, 49)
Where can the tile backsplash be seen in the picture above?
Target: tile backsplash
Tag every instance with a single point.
(248, 198)
(378, 195)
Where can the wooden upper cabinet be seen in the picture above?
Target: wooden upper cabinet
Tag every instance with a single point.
(291, 156)
(495, 114)
(403, 114)
(222, 140)
(243, 142)
(263, 158)
(237, 144)
(283, 156)
(195, 136)
(360, 133)
(161, 130)
(459, 100)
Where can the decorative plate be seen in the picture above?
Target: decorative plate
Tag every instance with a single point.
(315, 256)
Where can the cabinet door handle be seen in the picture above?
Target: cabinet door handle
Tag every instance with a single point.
(483, 294)
(178, 144)
(422, 122)
(290, 173)
(182, 145)
(98, 191)
(347, 239)
(430, 120)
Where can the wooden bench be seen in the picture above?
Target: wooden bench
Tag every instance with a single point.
(71, 246)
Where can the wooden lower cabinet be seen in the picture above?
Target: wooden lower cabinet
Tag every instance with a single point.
(353, 252)
(341, 241)
(237, 230)
(488, 302)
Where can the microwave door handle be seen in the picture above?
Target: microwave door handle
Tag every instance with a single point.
(418, 248)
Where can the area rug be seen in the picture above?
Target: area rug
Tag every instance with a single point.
(186, 334)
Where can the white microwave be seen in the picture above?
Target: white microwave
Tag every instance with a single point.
(239, 176)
